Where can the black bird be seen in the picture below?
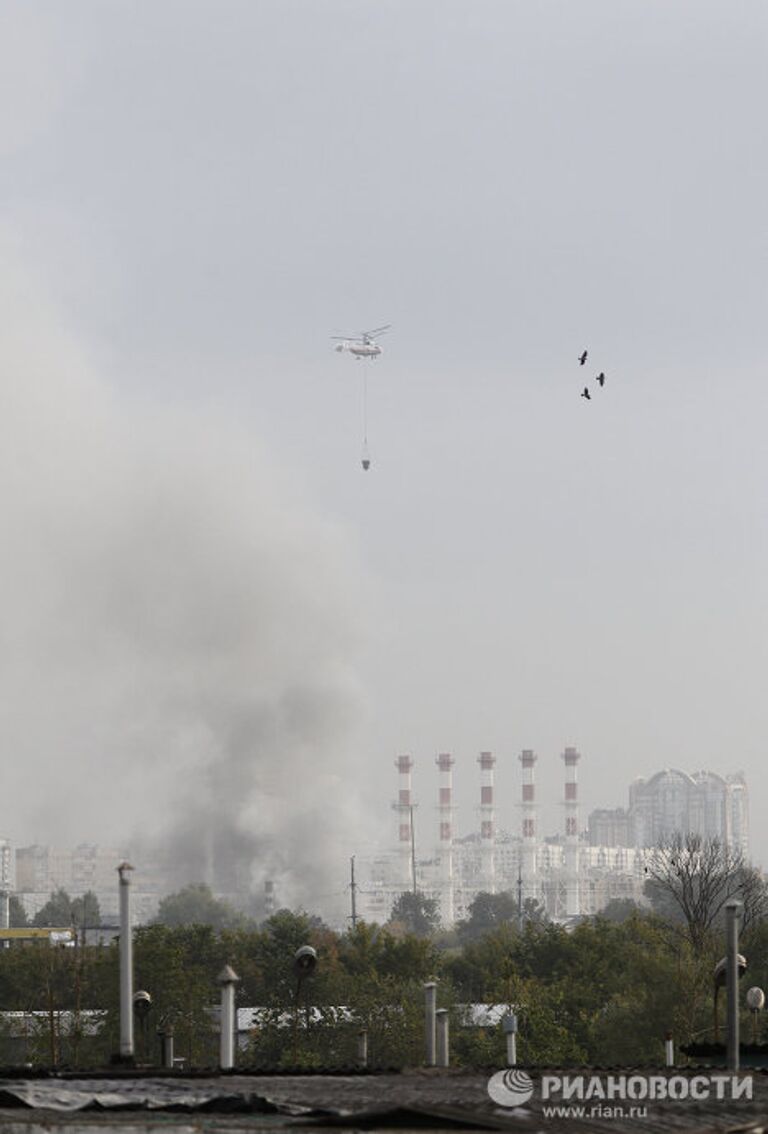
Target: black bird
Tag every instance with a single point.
(600, 379)
(586, 394)
(582, 358)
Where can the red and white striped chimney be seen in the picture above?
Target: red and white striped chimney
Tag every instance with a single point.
(571, 857)
(528, 831)
(445, 763)
(402, 806)
(487, 761)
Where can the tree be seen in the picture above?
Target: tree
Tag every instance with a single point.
(416, 914)
(85, 911)
(57, 911)
(482, 969)
(619, 909)
(692, 878)
(486, 913)
(196, 905)
(626, 983)
(534, 912)
(361, 949)
(178, 966)
(62, 910)
(284, 933)
(17, 915)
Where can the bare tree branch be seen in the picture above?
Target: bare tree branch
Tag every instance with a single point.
(696, 877)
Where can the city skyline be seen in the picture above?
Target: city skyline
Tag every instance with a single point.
(451, 862)
(219, 630)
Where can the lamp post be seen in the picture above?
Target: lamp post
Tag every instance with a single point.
(142, 1006)
(719, 978)
(732, 911)
(304, 965)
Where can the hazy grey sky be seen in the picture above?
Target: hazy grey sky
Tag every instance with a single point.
(193, 197)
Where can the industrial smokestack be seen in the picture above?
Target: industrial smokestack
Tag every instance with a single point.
(403, 806)
(445, 763)
(571, 857)
(487, 760)
(529, 832)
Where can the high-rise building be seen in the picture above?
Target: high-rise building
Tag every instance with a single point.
(674, 803)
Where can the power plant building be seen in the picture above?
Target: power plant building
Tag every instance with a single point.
(572, 873)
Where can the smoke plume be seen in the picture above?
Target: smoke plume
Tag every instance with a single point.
(179, 633)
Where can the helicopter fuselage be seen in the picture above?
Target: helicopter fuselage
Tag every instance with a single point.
(361, 350)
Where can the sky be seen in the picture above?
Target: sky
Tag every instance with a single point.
(214, 619)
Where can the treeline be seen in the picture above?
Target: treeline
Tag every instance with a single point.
(603, 993)
(60, 911)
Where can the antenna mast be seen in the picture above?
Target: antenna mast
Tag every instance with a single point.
(353, 892)
(519, 898)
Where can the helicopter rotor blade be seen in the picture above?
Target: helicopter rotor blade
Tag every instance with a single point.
(377, 330)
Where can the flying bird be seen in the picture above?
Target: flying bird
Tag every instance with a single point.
(583, 358)
(600, 379)
(586, 394)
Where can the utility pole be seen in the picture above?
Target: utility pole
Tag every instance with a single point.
(413, 852)
(519, 897)
(353, 892)
(733, 911)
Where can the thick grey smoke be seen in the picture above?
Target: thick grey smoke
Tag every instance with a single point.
(179, 633)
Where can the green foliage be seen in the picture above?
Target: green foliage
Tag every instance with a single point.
(479, 1047)
(275, 948)
(17, 915)
(57, 911)
(62, 910)
(605, 992)
(486, 913)
(85, 911)
(533, 912)
(391, 1009)
(178, 967)
(370, 952)
(619, 909)
(196, 905)
(52, 986)
(482, 970)
(415, 913)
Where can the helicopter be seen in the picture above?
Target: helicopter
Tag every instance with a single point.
(363, 344)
